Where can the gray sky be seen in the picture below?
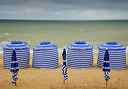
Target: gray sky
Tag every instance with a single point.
(64, 9)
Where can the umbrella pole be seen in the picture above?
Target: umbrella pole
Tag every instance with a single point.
(106, 83)
(64, 82)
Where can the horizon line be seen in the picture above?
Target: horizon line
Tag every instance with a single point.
(63, 20)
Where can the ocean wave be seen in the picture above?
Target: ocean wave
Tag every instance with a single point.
(6, 34)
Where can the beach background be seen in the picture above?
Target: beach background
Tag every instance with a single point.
(63, 33)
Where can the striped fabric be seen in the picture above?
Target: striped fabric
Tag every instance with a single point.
(14, 68)
(106, 75)
(14, 63)
(79, 55)
(22, 50)
(64, 66)
(117, 55)
(64, 72)
(106, 65)
(45, 55)
(14, 77)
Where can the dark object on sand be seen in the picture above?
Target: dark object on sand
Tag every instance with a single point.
(14, 68)
(64, 66)
(106, 66)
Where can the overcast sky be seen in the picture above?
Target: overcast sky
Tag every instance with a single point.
(64, 9)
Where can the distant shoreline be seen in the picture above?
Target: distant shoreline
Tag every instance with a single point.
(43, 20)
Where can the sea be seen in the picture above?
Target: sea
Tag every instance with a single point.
(62, 33)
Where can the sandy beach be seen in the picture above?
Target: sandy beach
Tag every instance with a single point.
(92, 78)
(61, 22)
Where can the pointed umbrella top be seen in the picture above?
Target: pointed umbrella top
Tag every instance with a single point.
(14, 62)
(106, 56)
(64, 56)
(14, 56)
(106, 63)
(106, 66)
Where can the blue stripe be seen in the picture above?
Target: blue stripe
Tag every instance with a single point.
(45, 58)
(79, 58)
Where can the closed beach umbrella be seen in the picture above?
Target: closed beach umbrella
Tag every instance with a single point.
(64, 66)
(106, 63)
(106, 66)
(14, 68)
(14, 62)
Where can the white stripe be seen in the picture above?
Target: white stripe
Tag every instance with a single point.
(14, 62)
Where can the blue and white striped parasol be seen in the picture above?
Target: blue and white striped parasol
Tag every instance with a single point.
(14, 67)
(14, 62)
(64, 66)
(106, 66)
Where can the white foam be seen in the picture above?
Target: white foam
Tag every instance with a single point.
(6, 34)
